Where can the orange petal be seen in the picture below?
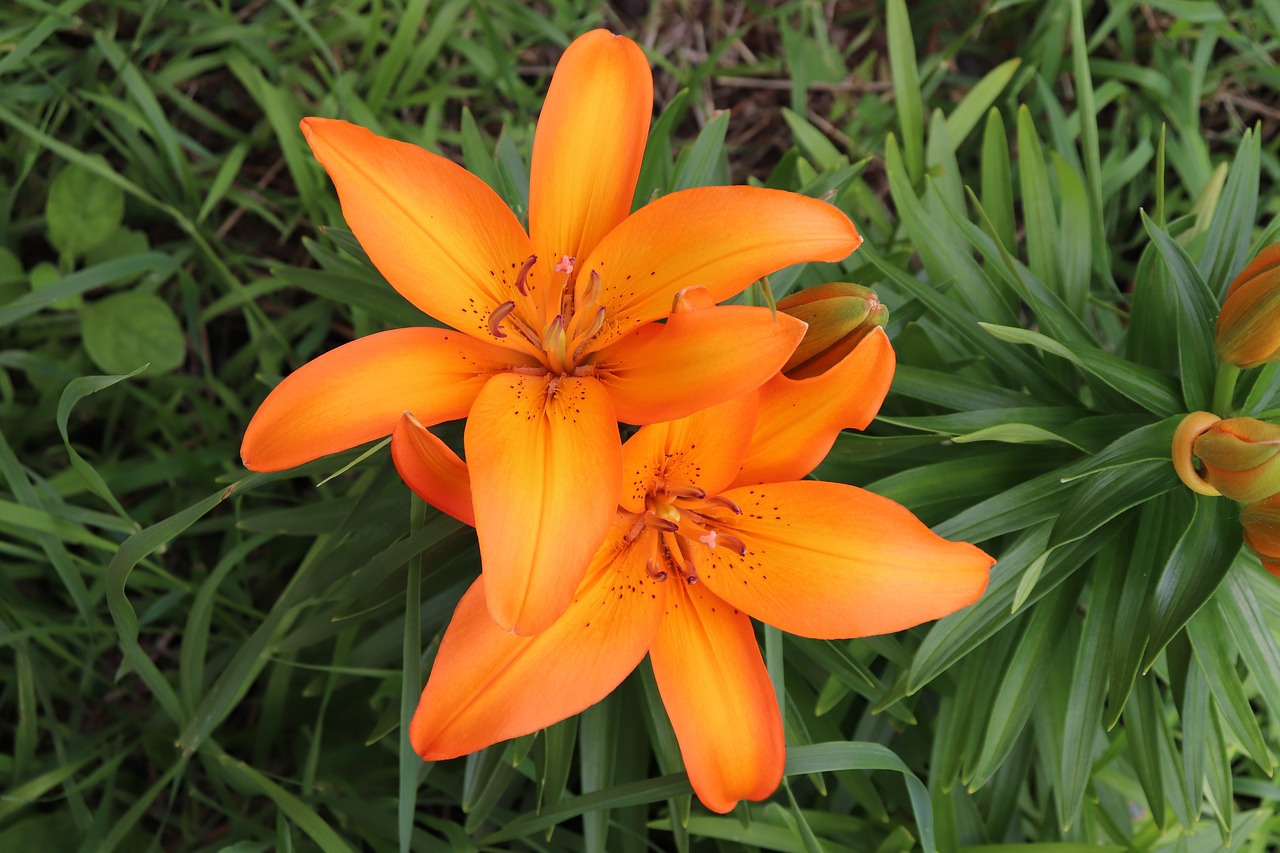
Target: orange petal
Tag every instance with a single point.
(442, 238)
(358, 391)
(721, 237)
(546, 466)
(697, 359)
(719, 698)
(487, 685)
(703, 450)
(800, 418)
(829, 560)
(431, 469)
(1265, 261)
(589, 144)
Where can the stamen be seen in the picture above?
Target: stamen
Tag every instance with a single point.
(522, 277)
(651, 566)
(634, 532)
(499, 314)
(652, 519)
(733, 543)
(565, 264)
(690, 577)
(593, 289)
(583, 338)
(688, 493)
(721, 500)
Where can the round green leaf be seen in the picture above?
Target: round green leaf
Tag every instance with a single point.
(127, 330)
(12, 276)
(83, 210)
(122, 243)
(44, 274)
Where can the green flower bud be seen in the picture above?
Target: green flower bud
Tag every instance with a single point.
(839, 315)
(1249, 323)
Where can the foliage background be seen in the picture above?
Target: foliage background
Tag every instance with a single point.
(191, 665)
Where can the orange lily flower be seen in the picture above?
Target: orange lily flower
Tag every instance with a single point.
(555, 341)
(714, 526)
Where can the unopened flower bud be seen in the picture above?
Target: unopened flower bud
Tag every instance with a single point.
(1261, 523)
(839, 315)
(1241, 458)
(1249, 324)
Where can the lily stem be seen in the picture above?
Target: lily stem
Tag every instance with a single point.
(1224, 390)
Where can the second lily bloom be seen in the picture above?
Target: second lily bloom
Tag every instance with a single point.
(714, 524)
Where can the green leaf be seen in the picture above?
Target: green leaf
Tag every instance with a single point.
(1196, 567)
(964, 118)
(1230, 230)
(997, 182)
(698, 164)
(294, 808)
(1021, 682)
(1089, 680)
(906, 87)
(83, 208)
(1037, 206)
(126, 331)
(1142, 727)
(112, 272)
(1210, 641)
(1196, 312)
(1108, 493)
(1148, 388)
(813, 143)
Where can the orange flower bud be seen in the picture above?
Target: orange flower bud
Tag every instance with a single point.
(1249, 324)
(1241, 458)
(839, 315)
(1261, 523)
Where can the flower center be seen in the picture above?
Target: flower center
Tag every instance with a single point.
(681, 515)
(567, 324)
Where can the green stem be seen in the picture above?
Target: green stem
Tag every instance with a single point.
(1224, 389)
(411, 682)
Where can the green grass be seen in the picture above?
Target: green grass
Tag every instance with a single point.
(194, 658)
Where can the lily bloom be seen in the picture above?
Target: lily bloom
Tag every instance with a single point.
(552, 340)
(714, 526)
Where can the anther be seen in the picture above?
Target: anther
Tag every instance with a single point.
(565, 264)
(499, 314)
(733, 543)
(652, 519)
(651, 566)
(721, 500)
(689, 493)
(690, 578)
(522, 277)
(593, 289)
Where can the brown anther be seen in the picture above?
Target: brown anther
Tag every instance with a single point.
(499, 314)
(594, 285)
(522, 277)
(651, 566)
(652, 519)
(688, 493)
(721, 500)
(733, 543)
(690, 578)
